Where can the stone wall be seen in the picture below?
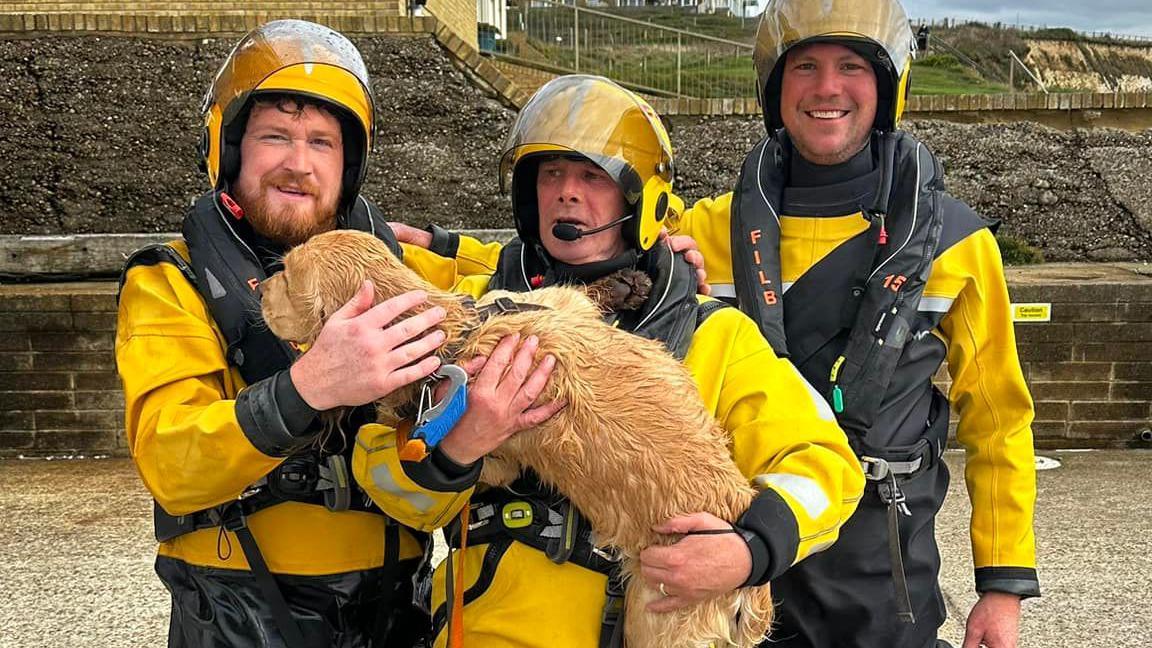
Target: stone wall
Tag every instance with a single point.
(1090, 368)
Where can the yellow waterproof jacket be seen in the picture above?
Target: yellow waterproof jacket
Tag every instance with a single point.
(192, 452)
(988, 390)
(782, 431)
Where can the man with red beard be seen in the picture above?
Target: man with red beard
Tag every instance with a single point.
(264, 541)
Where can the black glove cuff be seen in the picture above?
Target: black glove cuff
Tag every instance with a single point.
(776, 536)
(263, 416)
(1021, 581)
(444, 243)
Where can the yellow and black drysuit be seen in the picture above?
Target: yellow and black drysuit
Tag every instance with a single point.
(868, 275)
(228, 449)
(523, 586)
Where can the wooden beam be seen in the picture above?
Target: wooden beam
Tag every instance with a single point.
(25, 258)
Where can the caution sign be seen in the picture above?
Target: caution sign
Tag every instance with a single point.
(1031, 312)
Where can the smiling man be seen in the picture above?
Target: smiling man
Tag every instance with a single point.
(842, 244)
(263, 540)
(289, 183)
(589, 168)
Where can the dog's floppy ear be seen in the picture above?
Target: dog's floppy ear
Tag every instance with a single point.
(304, 294)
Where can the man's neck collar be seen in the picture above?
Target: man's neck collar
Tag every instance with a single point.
(803, 173)
(589, 272)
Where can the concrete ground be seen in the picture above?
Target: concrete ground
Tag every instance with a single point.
(76, 554)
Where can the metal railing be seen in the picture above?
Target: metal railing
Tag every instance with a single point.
(653, 59)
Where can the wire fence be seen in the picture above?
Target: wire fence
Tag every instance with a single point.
(653, 59)
(658, 60)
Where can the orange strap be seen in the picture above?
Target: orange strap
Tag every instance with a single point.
(409, 449)
(456, 634)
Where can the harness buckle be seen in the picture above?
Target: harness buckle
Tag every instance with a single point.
(334, 483)
(875, 469)
(505, 305)
(610, 554)
(230, 516)
(891, 494)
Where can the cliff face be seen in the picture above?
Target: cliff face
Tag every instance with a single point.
(101, 132)
(1094, 67)
(101, 137)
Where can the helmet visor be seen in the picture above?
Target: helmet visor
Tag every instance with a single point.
(592, 117)
(273, 47)
(786, 23)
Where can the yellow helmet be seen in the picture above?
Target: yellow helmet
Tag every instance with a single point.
(591, 117)
(292, 57)
(876, 29)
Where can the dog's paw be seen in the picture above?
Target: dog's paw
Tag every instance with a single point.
(624, 290)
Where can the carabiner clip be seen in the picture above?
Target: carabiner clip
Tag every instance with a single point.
(434, 421)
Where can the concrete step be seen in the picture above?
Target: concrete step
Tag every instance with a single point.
(529, 79)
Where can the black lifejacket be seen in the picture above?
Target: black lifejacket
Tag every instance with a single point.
(227, 273)
(669, 315)
(847, 323)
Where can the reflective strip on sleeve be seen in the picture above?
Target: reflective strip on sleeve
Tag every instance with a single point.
(935, 304)
(822, 407)
(382, 478)
(805, 490)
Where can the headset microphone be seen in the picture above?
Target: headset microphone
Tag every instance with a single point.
(569, 232)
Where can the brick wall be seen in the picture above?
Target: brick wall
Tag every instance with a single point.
(457, 15)
(1090, 368)
(59, 393)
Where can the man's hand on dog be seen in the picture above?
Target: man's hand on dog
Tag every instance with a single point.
(501, 399)
(361, 356)
(697, 567)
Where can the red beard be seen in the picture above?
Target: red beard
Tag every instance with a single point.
(288, 224)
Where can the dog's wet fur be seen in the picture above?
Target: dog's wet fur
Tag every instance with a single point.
(633, 448)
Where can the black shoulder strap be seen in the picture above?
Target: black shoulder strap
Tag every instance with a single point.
(892, 291)
(366, 217)
(755, 232)
(670, 313)
(707, 309)
(228, 275)
(155, 254)
(517, 264)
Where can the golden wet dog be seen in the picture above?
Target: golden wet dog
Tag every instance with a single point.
(628, 458)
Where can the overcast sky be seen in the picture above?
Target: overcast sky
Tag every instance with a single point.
(1118, 16)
